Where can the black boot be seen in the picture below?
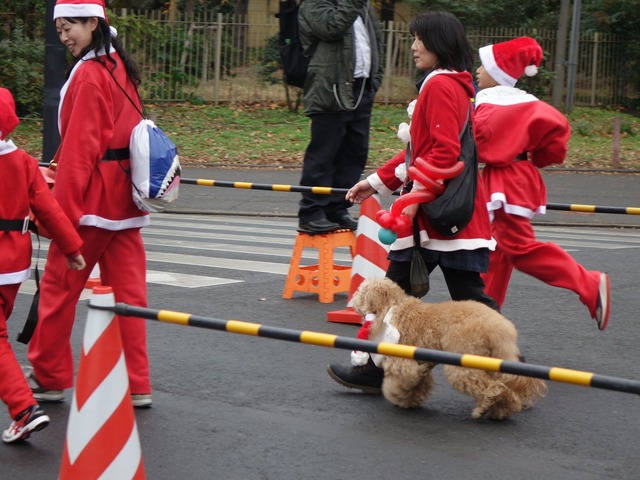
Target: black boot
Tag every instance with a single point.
(367, 378)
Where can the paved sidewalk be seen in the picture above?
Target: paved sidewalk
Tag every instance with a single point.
(602, 189)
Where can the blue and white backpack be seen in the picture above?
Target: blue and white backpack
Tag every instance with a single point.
(155, 167)
(155, 164)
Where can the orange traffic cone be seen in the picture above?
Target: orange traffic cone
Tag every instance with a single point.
(370, 260)
(102, 435)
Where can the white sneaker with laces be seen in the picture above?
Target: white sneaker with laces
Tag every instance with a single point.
(30, 420)
(40, 393)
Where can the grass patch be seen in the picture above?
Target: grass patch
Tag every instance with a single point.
(268, 135)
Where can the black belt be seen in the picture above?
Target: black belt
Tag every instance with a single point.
(116, 154)
(522, 156)
(15, 225)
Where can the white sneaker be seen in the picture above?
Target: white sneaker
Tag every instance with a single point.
(40, 393)
(603, 304)
(30, 420)
(141, 400)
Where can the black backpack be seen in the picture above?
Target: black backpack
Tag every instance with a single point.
(294, 61)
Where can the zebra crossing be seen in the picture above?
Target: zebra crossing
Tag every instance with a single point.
(196, 251)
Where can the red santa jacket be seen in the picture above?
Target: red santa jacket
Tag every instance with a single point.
(22, 188)
(95, 114)
(516, 134)
(438, 118)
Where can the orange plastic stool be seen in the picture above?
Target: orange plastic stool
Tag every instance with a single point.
(325, 278)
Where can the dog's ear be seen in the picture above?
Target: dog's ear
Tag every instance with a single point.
(365, 299)
(391, 291)
(358, 299)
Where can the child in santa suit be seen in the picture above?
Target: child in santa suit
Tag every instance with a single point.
(93, 187)
(517, 134)
(23, 188)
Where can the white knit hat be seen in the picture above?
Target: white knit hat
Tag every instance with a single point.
(506, 62)
(79, 8)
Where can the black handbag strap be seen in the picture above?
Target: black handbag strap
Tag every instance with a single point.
(32, 317)
(416, 232)
(143, 112)
(407, 154)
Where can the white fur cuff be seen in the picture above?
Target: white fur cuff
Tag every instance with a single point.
(359, 358)
(404, 132)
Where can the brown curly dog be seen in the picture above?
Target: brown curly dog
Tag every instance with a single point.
(464, 327)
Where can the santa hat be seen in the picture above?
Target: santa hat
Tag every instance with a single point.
(8, 118)
(506, 62)
(79, 8)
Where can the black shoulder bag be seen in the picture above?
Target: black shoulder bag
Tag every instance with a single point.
(452, 211)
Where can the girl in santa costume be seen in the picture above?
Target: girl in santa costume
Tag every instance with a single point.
(93, 187)
(517, 134)
(23, 189)
(438, 116)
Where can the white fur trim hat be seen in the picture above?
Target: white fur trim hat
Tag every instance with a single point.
(79, 8)
(506, 62)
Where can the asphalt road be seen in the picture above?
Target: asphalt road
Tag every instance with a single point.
(235, 407)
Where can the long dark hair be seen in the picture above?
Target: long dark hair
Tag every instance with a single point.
(443, 35)
(102, 39)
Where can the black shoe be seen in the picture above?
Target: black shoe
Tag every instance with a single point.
(345, 220)
(367, 378)
(321, 225)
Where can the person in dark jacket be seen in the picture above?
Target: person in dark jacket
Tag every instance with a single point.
(344, 41)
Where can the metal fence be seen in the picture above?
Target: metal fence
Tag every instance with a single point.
(230, 58)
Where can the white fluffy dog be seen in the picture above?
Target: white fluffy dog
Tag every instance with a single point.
(464, 327)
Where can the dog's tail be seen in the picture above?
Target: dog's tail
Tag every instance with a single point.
(528, 389)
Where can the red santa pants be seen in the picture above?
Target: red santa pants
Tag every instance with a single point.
(14, 389)
(518, 248)
(121, 257)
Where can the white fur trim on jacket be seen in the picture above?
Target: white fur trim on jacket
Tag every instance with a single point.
(378, 186)
(114, 225)
(404, 132)
(503, 96)
(15, 277)
(7, 146)
(499, 200)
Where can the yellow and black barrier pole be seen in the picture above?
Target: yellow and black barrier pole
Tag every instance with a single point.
(264, 186)
(203, 182)
(556, 374)
(342, 191)
(574, 207)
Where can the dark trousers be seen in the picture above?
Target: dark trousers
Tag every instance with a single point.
(335, 157)
(462, 284)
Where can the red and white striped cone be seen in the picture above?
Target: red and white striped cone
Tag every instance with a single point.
(102, 435)
(370, 260)
(94, 278)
